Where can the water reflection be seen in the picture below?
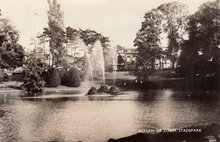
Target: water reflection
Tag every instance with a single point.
(75, 117)
(164, 117)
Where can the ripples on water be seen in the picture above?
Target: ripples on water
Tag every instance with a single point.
(74, 117)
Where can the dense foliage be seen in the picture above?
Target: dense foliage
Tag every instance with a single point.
(73, 79)
(63, 74)
(33, 75)
(120, 60)
(61, 39)
(11, 53)
(200, 57)
(89, 36)
(52, 77)
(174, 17)
(55, 32)
(147, 43)
(199, 60)
(169, 18)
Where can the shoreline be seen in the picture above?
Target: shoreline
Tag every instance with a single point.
(68, 90)
(122, 84)
(209, 133)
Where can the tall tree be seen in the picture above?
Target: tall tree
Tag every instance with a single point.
(200, 56)
(204, 28)
(55, 32)
(174, 22)
(147, 42)
(11, 53)
(39, 50)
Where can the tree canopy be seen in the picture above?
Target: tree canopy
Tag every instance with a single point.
(55, 32)
(174, 22)
(204, 28)
(174, 17)
(204, 35)
(11, 53)
(88, 36)
(33, 70)
(147, 42)
(200, 56)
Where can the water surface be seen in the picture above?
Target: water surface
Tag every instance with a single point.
(76, 117)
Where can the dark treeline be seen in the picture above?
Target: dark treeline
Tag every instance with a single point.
(193, 43)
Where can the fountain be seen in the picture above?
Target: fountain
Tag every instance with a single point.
(88, 69)
(97, 62)
(115, 61)
(95, 69)
(94, 63)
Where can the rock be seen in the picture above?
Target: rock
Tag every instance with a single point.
(112, 140)
(113, 91)
(210, 139)
(207, 134)
(103, 89)
(92, 91)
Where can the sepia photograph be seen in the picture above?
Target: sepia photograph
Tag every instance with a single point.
(109, 71)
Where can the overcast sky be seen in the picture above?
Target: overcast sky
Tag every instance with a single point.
(117, 19)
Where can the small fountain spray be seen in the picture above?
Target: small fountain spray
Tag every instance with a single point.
(89, 69)
(115, 60)
(97, 62)
(97, 66)
(88, 66)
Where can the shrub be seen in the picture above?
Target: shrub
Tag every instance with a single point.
(52, 78)
(32, 74)
(63, 76)
(73, 79)
(17, 77)
(6, 77)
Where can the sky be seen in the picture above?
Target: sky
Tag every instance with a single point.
(117, 19)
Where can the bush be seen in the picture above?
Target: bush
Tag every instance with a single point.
(63, 74)
(52, 78)
(17, 77)
(73, 79)
(6, 77)
(33, 79)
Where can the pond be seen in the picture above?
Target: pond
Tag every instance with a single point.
(76, 117)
